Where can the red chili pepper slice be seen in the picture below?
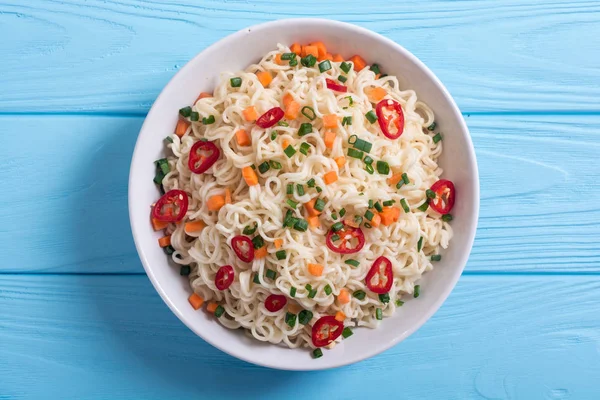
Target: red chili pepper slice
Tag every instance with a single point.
(444, 196)
(171, 207)
(270, 118)
(346, 234)
(224, 277)
(202, 156)
(275, 302)
(243, 248)
(335, 86)
(326, 330)
(380, 276)
(390, 117)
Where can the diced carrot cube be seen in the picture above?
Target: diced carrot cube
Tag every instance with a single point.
(242, 137)
(165, 241)
(330, 121)
(330, 177)
(182, 127)
(315, 269)
(250, 114)
(359, 62)
(196, 301)
(264, 77)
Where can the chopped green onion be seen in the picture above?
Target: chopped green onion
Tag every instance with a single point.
(300, 189)
(447, 217)
(271, 274)
(292, 203)
(281, 254)
(342, 78)
(334, 215)
(194, 116)
(275, 164)
(384, 298)
(338, 226)
(344, 66)
(253, 166)
(289, 151)
(185, 111)
(359, 294)
(319, 205)
(292, 292)
(417, 291)
(399, 303)
(273, 135)
(250, 230)
(256, 279)
(437, 138)
(208, 121)
(388, 203)
(282, 123)
(430, 194)
(289, 189)
(301, 225)
(310, 183)
(293, 62)
(317, 353)
(352, 262)
(371, 203)
(368, 160)
(404, 205)
(203, 139)
(346, 121)
(335, 238)
(347, 332)
(258, 242)
(432, 126)
(319, 190)
(371, 116)
(369, 168)
(367, 225)
(163, 165)
(379, 314)
(423, 207)
(308, 61)
(305, 129)
(236, 82)
(378, 207)
(324, 66)
(383, 167)
(352, 139)
(169, 250)
(184, 270)
(308, 287)
(309, 113)
(288, 56)
(342, 212)
(350, 100)
(358, 219)
(355, 154)
(436, 257)
(264, 167)
(305, 316)
(375, 68)
(290, 319)
(169, 139)
(420, 244)
(304, 148)
(363, 145)
(327, 289)
(405, 178)
(219, 311)
(312, 294)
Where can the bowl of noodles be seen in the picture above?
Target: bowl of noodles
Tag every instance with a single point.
(304, 194)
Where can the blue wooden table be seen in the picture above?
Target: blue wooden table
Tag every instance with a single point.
(79, 318)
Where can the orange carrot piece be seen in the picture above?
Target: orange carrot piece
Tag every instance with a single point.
(344, 296)
(196, 301)
(215, 202)
(306, 50)
(338, 58)
(310, 208)
(250, 114)
(203, 95)
(313, 221)
(227, 196)
(278, 59)
(287, 99)
(292, 110)
(330, 121)
(285, 144)
(182, 127)
(296, 48)
(260, 253)
(394, 179)
(327, 57)
(315, 269)
(212, 307)
(376, 221)
(330, 177)
(329, 139)
(242, 137)
(359, 62)
(278, 243)
(194, 226)
(250, 176)
(158, 224)
(321, 49)
(340, 316)
(387, 216)
(264, 77)
(340, 161)
(164, 241)
(375, 94)
(377, 76)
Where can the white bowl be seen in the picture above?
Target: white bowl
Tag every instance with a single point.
(236, 52)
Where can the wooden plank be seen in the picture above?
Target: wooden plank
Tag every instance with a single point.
(101, 55)
(65, 195)
(112, 337)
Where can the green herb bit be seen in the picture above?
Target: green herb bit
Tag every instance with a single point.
(344, 66)
(271, 274)
(417, 292)
(379, 314)
(219, 311)
(305, 316)
(309, 113)
(235, 82)
(209, 120)
(436, 257)
(317, 353)
(185, 111)
(423, 207)
(352, 262)
(281, 254)
(327, 290)
(432, 126)
(292, 292)
(405, 206)
(384, 298)
(289, 151)
(248, 230)
(420, 244)
(430, 194)
(347, 332)
(359, 294)
(290, 319)
(437, 138)
(371, 116)
(324, 66)
(447, 217)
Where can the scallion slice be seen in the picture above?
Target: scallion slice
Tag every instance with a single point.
(319, 205)
(355, 154)
(208, 120)
(301, 225)
(369, 168)
(248, 230)
(292, 292)
(352, 262)
(304, 148)
(327, 289)
(371, 116)
(369, 215)
(185, 111)
(324, 66)
(432, 126)
(288, 56)
(305, 316)
(258, 242)
(281, 254)
(319, 190)
(371, 203)
(264, 167)
(362, 145)
(417, 291)
(312, 294)
(436, 257)
(289, 189)
(437, 138)
(420, 244)
(342, 78)
(404, 205)
(309, 113)
(256, 279)
(300, 189)
(388, 203)
(375, 68)
(185, 270)
(368, 160)
(379, 314)
(347, 332)
(290, 319)
(305, 129)
(271, 274)
(338, 226)
(447, 217)
(384, 298)
(219, 311)
(378, 206)
(383, 167)
(310, 183)
(194, 116)
(344, 66)
(235, 82)
(275, 164)
(289, 151)
(292, 203)
(317, 353)
(342, 212)
(308, 61)
(399, 303)
(346, 121)
(430, 194)
(359, 294)
(423, 207)
(405, 179)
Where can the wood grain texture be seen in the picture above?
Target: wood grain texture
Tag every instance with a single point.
(65, 202)
(116, 55)
(112, 337)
